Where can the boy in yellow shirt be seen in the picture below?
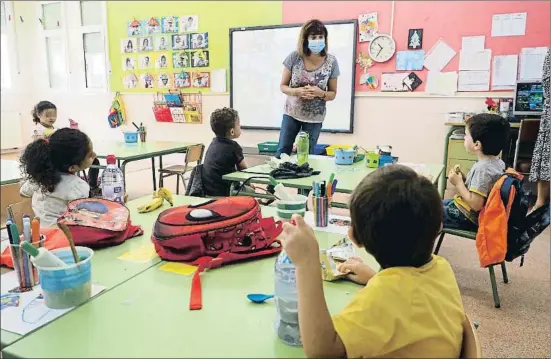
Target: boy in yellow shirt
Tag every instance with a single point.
(412, 307)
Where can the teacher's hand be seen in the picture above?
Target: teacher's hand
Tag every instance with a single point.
(315, 91)
(304, 92)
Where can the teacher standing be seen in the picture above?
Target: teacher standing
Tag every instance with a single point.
(309, 80)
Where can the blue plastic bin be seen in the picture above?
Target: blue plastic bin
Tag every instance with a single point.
(320, 149)
(344, 157)
(385, 160)
(131, 137)
(69, 286)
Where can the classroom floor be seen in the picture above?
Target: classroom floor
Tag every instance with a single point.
(519, 329)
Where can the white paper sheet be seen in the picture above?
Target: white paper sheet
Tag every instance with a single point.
(441, 83)
(393, 82)
(25, 312)
(475, 60)
(218, 80)
(473, 43)
(531, 63)
(509, 24)
(473, 81)
(338, 227)
(504, 72)
(439, 56)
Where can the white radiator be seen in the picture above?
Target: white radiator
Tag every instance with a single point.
(10, 130)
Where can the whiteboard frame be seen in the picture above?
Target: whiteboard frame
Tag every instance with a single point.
(269, 27)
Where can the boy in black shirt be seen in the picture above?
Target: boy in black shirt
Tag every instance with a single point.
(224, 155)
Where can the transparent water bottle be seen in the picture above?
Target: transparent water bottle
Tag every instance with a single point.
(286, 298)
(303, 147)
(112, 181)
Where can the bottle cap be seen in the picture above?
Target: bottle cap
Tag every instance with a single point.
(29, 248)
(111, 159)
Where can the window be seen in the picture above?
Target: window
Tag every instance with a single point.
(52, 16)
(91, 13)
(56, 62)
(7, 53)
(93, 44)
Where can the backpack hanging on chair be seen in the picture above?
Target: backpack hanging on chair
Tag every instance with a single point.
(117, 114)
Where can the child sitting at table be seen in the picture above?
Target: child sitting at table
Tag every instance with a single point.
(224, 155)
(485, 136)
(51, 165)
(412, 307)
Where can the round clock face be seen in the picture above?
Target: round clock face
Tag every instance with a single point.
(382, 48)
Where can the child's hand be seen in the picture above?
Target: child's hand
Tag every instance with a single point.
(356, 270)
(299, 242)
(455, 178)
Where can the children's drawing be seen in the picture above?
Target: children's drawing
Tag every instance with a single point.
(189, 23)
(368, 26)
(180, 60)
(169, 24)
(9, 300)
(152, 26)
(200, 40)
(163, 81)
(340, 222)
(162, 43)
(35, 310)
(201, 79)
(369, 80)
(410, 60)
(180, 42)
(393, 82)
(182, 80)
(200, 58)
(162, 61)
(128, 46)
(145, 44)
(134, 28)
(128, 63)
(145, 62)
(415, 39)
(130, 81)
(412, 81)
(147, 80)
(364, 61)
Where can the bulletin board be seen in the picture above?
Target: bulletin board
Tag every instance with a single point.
(214, 18)
(446, 20)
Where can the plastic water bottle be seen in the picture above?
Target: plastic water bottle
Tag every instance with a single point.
(303, 148)
(286, 298)
(112, 181)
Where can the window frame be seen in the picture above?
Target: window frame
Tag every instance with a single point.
(11, 34)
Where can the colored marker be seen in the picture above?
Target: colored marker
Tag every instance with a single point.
(35, 235)
(19, 261)
(14, 254)
(334, 186)
(29, 272)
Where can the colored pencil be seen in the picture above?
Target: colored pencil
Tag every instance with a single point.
(14, 252)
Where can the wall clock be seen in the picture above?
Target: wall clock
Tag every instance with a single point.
(382, 48)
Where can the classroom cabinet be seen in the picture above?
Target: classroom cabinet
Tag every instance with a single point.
(457, 154)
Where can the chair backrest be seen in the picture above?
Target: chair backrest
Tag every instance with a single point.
(9, 195)
(471, 346)
(194, 154)
(17, 210)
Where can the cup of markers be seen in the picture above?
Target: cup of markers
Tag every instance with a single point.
(322, 198)
(27, 274)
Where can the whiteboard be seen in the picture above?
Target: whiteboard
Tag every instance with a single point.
(256, 66)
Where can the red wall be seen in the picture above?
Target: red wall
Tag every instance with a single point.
(449, 20)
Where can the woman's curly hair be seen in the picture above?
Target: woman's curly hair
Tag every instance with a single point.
(44, 160)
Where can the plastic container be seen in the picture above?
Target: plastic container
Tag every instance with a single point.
(270, 146)
(344, 156)
(286, 299)
(385, 160)
(131, 137)
(112, 181)
(372, 159)
(331, 149)
(71, 285)
(303, 148)
(286, 209)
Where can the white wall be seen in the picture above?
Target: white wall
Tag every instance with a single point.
(413, 123)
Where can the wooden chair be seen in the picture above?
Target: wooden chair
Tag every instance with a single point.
(9, 195)
(17, 210)
(471, 346)
(472, 236)
(194, 154)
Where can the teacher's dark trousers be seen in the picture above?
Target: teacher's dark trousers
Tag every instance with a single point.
(290, 127)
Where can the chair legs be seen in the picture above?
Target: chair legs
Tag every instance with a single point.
(440, 239)
(497, 304)
(504, 272)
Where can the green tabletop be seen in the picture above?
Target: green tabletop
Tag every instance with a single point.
(133, 151)
(107, 269)
(348, 176)
(10, 172)
(148, 316)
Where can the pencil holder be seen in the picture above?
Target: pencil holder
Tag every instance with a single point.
(321, 211)
(372, 159)
(27, 274)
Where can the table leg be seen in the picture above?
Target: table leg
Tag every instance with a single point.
(123, 170)
(232, 188)
(444, 176)
(153, 173)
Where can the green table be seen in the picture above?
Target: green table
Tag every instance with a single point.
(10, 172)
(130, 152)
(348, 176)
(148, 316)
(109, 271)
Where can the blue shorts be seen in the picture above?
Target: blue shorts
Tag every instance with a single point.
(455, 219)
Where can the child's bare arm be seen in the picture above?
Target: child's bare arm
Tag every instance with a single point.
(474, 200)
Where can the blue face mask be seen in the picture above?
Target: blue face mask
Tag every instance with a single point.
(316, 46)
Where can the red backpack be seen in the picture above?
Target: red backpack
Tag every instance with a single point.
(214, 233)
(96, 222)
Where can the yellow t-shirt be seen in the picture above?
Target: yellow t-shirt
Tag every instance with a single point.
(405, 312)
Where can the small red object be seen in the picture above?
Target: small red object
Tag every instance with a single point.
(293, 222)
